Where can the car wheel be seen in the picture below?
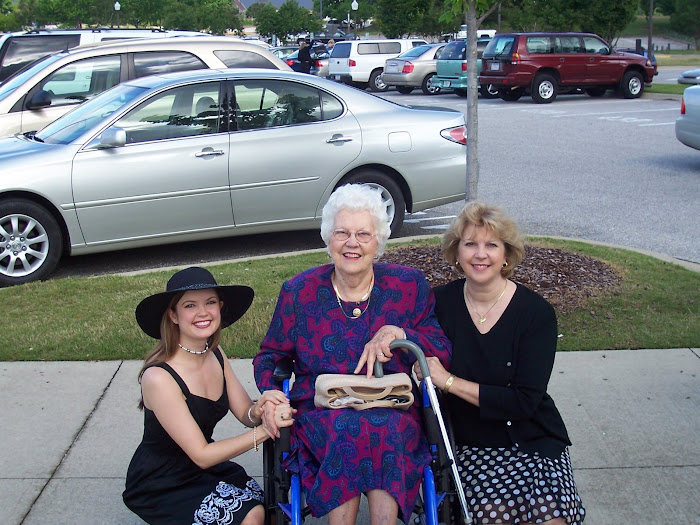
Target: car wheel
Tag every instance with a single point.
(544, 89)
(488, 91)
(31, 242)
(510, 95)
(392, 196)
(596, 91)
(376, 83)
(427, 86)
(461, 93)
(404, 90)
(632, 85)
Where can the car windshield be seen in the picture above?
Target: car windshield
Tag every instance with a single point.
(88, 115)
(415, 52)
(19, 78)
(499, 46)
(455, 50)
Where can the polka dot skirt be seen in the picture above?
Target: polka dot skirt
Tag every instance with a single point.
(508, 486)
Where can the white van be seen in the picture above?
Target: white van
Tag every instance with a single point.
(361, 62)
(24, 47)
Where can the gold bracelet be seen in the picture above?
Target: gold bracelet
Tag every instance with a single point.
(448, 384)
(255, 439)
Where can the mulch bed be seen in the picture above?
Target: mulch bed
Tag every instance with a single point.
(564, 278)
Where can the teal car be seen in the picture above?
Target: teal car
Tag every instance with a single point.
(452, 68)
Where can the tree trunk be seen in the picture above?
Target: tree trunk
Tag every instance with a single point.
(472, 104)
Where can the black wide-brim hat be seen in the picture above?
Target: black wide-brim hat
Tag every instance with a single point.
(237, 299)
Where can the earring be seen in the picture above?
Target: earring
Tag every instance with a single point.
(457, 264)
(505, 264)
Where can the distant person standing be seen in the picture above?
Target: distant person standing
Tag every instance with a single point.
(305, 56)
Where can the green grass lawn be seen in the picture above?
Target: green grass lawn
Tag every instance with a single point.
(666, 89)
(657, 305)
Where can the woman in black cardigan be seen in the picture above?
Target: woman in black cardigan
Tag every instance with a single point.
(511, 441)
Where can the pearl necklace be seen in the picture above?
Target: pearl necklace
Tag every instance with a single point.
(356, 312)
(482, 318)
(206, 347)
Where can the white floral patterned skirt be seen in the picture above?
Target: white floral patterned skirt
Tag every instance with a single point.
(228, 504)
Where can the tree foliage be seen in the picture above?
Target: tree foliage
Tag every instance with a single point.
(686, 19)
(290, 19)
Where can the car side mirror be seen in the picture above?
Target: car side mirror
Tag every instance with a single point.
(40, 99)
(112, 138)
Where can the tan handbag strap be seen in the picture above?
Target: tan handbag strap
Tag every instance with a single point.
(367, 393)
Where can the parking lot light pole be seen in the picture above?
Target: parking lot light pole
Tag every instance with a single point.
(117, 8)
(354, 7)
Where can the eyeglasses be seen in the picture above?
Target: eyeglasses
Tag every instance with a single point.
(361, 236)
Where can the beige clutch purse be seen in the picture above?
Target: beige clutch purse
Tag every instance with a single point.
(361, 393)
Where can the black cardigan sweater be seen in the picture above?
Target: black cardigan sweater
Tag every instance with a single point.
(512, 364)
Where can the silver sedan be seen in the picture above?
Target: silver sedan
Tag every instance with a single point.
(688, 123)
(207, 154)
(691, 77)
(414, 68)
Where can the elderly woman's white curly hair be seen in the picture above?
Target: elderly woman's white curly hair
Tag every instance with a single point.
(354, 198)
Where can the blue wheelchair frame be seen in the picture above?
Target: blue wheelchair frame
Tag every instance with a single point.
(438, 504)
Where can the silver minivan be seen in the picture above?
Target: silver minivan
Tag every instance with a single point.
(57, 83)
(24, 47)
(361, 62)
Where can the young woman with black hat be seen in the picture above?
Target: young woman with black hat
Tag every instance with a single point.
(178, 474)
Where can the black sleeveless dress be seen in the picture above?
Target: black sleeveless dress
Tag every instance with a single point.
(164, 486)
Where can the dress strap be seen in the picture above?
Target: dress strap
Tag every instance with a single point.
(220, 357)
(176, 377)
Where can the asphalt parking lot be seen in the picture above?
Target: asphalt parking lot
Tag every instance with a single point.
(607, 170)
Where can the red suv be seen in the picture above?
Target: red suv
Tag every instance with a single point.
(545, 64)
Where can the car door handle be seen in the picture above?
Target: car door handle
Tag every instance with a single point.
(338, 138)
(561, 59)
(209, 152)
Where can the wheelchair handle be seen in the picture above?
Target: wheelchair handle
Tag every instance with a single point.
(413, 348)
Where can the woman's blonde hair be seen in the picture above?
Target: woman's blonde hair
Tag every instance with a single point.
(496, 220)
(166, 346)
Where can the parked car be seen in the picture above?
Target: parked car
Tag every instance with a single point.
(185, 156)
(688, 123)
(24, 47)
(452, 68)
(546, 64)
(690, 77)
(643, 52)
(414, 68)
(361, 62)
(283, 51)
(319, 61)
(55, 84)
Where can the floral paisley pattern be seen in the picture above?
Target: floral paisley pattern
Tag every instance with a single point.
(220, 506)
(340, 454)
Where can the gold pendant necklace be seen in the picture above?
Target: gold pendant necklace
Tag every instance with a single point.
(356, 312)
(482, 318)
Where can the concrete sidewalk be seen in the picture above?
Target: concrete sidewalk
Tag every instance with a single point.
(69, 429)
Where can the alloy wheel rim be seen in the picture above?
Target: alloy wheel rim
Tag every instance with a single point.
(24, 247)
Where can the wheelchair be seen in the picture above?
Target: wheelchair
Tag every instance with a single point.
(441, 501)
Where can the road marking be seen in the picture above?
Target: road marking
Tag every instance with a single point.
(658, 124)
(615, 112)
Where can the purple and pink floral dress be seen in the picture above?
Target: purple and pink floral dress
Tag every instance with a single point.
(340, 454)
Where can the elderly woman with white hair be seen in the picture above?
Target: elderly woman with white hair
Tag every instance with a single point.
(340, 318)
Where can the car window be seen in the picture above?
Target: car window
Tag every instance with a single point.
(81, 80)
(156, 62)
(341, 50)
(184, 111)
(272, 103)
(242, 58)
(26, 49)
(414, 52)
(499, 47)
(567, 44)
(538, 44)
(455, 50)
(595, 45)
